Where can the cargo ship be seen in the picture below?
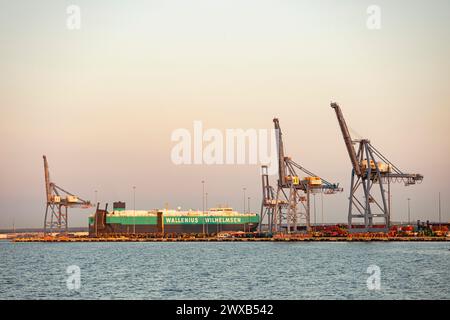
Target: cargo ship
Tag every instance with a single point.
(212, 221)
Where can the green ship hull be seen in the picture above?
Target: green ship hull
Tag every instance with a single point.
(158, 222)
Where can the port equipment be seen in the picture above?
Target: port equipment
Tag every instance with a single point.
(370, 167)
(289, 205)
(58, 202)
(269, 201)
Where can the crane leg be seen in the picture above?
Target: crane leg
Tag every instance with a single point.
(350, 205)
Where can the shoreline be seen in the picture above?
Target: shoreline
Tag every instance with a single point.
(215, 239)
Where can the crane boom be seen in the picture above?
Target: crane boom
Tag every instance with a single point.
(370, 168)
(347, 139)
(281, 163)
(58, 202)
(291, 202)
(47, 180)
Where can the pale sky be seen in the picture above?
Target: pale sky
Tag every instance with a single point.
(101, 102)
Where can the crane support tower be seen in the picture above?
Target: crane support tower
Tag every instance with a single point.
(269, 205)
(289, 205)
(370, 167)
(58, 202)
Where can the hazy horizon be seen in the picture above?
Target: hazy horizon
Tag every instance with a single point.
(101, 102)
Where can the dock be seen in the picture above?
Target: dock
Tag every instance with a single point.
(216, 239)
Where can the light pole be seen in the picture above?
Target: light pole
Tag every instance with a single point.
(95, 216)
(321, 198)
(248, 206)
(315, 221)
(409, 211)
(207, 210)
(244, 198)
(203, 196)
(203, 205)
(134, 209)
(439, 209)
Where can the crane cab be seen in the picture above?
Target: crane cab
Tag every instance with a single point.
(72, 199)
(313, 181)
(295, 180)
(383, 167)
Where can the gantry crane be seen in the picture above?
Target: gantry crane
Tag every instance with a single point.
(269, 204)
(290, 204)
(370, 167)
(58, 201)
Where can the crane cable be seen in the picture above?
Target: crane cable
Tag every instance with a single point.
(354, 133)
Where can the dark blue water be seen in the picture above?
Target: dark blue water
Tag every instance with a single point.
(224, 270)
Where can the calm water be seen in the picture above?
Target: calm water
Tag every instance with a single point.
(224, 270)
